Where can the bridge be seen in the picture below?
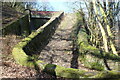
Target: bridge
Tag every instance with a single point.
(51, 47)
(42, 14)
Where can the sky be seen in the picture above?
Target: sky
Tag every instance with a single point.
(60, 5)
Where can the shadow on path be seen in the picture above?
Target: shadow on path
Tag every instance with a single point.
(74, 60)
(75, 51)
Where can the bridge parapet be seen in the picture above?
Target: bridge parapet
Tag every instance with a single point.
(24, 51)
(43, 14)
(19, 26)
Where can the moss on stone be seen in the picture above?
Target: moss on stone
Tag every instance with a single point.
(96, 60)
(76, 73)
(23, 59)
(18, 52)
(84, 46)
(64, 72)
(108, 74)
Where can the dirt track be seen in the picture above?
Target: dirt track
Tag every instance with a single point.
(60, 50)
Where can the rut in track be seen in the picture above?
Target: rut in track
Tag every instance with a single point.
(59, 50)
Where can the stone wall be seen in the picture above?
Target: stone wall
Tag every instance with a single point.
(94, 58)
(41, 40)
(19, 26)
(35, 23)
(25, 50)
(23, 55)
